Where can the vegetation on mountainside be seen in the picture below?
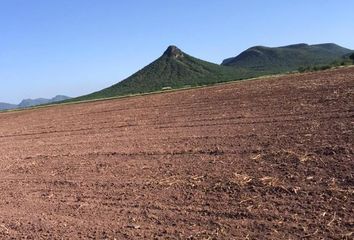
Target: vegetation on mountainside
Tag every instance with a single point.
(345, 61)
(352, 57)
(287, 58)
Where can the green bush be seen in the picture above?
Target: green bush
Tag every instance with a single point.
(302, 69)
(325, 67)
(336, 63)
(352, 57)
(316, 68)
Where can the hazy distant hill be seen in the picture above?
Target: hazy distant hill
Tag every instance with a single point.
(39, 101)
(287, 58)
(173, 69)
(7, 106)
(32, 102)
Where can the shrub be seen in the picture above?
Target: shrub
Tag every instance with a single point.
(302, 69)
(336, 63)
(316, 68)
(352, 57)
(325, 67)
(305, 69)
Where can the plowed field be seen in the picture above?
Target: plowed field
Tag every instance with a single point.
(261, 159)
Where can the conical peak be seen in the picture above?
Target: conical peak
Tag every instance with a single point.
(174, 52)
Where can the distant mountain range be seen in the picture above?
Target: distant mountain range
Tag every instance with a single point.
(176, 69)
(33, 102)
(7, 106)
(287, 58)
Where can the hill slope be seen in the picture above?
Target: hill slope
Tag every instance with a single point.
(287, 58)
(173, 69)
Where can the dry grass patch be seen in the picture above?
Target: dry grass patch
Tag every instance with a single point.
(241, 179)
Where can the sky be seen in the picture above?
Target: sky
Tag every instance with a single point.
(75, 47)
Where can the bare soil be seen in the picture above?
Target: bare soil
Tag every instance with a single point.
(261, 159)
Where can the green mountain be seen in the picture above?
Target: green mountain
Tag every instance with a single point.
(287, 58)
(174, 69)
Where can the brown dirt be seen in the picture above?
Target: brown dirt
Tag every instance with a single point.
(263, 159)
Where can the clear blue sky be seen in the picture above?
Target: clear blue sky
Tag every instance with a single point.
(74, 47)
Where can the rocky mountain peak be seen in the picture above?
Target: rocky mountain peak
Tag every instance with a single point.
(174, 52)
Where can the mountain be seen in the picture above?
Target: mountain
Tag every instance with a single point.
(287, 58)
(59, 98)
(33, 102)
(39, 101)
(174, 69)
(7, 106)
